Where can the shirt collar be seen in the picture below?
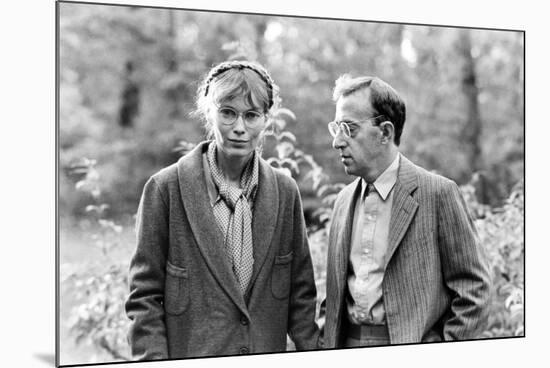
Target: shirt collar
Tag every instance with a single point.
(385, 182)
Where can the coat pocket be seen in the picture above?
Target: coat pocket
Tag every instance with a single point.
(280, 276)
(176, 294)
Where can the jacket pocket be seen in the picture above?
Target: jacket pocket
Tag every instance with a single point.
(176, 294)
(280, 276)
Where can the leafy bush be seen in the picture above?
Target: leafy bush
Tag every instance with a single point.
(501, 232)
(99, 289)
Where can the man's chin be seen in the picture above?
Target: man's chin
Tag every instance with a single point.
(349, 170)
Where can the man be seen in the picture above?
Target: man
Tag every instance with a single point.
(404, 261)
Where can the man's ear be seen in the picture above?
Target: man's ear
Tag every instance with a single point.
(388, 131)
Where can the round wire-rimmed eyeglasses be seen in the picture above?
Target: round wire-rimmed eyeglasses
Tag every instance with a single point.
(334, 127)
(228, 116)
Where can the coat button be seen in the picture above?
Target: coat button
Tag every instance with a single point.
(243, 350)
(244, 321)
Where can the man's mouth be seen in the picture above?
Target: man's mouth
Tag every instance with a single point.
(345, 159)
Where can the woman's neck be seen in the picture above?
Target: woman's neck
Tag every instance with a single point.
(231, 167)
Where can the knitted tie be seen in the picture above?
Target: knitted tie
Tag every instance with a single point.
(238, 238)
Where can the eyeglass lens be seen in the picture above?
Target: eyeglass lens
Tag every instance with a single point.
(229, 116)
(335, 127)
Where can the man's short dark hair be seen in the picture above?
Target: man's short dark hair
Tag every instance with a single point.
(383, 98)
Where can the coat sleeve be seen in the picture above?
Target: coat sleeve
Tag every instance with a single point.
(303, 294)
(464, 266)
(144, 306)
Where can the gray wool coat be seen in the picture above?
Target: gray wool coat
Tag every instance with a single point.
(184, 299)
(436, 283)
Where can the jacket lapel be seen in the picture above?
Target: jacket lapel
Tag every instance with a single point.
(264, 220)
(201, 219)
(343, 245)
(404, 205)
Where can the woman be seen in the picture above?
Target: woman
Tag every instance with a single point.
(222, 263)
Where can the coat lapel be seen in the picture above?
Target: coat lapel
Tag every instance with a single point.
(264, 220)
(404, 205)
(343, 245)
(201, 219)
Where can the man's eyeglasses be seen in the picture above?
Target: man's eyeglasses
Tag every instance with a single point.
(334, 127)
(228, 116)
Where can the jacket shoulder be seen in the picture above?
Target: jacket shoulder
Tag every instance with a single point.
(433, 182)
(437, 179)
(165, 176)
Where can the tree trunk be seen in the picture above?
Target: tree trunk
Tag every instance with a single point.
(172, 92)
(471, 133)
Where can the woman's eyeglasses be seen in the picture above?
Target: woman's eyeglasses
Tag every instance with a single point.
(228, 116)
(334, 127)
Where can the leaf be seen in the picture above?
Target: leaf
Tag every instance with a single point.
(183, 147)
(339, 186)
(291, 164)
(284, 112)
(284, 149)
(273, 161)
(286, 136)
(104, 223)
(323, 189)
(279, 124)
(516, 309)
(91, 207)
(324, 217)
(80, 184)
(329, 199)
(286, 171)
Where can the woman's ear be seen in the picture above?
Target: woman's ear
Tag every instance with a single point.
(388, 131)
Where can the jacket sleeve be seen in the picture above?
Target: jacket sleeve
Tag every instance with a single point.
(303, 294)
(464, 266)
(144, 306)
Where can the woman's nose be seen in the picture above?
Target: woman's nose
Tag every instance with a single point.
(239, 126)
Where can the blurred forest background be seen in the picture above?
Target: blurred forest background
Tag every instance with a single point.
(127, 81)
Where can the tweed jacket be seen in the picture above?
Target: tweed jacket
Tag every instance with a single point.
(184, 299)
(436, 282)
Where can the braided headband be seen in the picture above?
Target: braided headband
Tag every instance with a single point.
(222, 68)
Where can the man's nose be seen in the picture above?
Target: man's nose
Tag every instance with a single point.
(339, 142)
